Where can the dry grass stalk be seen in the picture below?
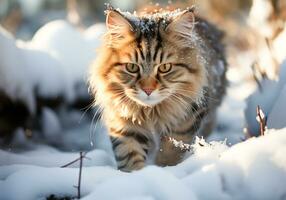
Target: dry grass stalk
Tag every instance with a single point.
(262, 119)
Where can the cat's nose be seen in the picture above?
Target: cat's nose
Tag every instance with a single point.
(148, 91)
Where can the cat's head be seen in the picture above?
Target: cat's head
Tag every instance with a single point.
(152, 58)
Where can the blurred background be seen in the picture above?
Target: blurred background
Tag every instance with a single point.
(46, 47)
(24, 17)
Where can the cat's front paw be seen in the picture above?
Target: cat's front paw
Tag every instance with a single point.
(129, 167)
(130, 154)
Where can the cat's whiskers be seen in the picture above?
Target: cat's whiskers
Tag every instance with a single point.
(123, 99)
(91, 128)
(196, 93)
(86, 108)
(179, 99)
(194, 109)
(188, 106)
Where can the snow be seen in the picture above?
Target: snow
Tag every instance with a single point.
(69, 45)
(18, 88)
(53, 63)
(49, 180)
(246, 170)
(53, 158)
(38, 71)
(44, 72)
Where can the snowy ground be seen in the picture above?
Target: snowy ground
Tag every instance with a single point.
(246, 170)
(224, 167)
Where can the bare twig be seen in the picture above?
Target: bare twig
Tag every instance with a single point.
(74, 161)
(82, 155)
(262, 119)
(79, 176)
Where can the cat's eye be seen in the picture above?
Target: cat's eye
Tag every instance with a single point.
(165, 68)
(132, 68)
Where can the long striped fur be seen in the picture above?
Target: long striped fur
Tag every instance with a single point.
(175, 56)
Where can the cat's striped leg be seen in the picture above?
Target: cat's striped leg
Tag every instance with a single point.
(130, 150)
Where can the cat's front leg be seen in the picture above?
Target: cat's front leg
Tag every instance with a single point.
(130, 150)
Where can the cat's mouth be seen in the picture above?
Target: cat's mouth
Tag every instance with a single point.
(148, 100)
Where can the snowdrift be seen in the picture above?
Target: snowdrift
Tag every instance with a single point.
(254, 169)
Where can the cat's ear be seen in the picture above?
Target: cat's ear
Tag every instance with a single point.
(182, 24)
(116, 22)
(119, 27)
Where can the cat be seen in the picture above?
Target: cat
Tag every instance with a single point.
(156, 75)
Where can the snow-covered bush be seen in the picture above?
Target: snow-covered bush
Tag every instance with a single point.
(51, 67)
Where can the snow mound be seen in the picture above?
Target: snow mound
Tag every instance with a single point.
(25, 70)
(53, 64)
(74, 49)
(254, 169)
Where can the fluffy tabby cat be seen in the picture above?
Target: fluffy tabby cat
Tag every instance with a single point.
(156, 75)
